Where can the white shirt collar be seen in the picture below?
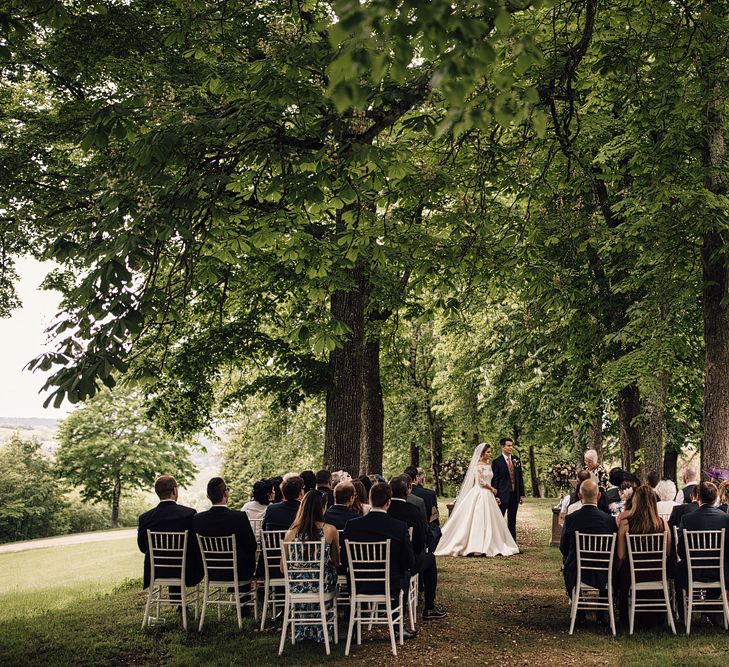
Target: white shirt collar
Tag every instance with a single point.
(378, 509)
(168, 500)
(401, 500)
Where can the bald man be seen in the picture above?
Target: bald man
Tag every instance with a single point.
(589, 520)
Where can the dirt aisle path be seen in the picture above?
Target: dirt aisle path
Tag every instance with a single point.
(63, 540)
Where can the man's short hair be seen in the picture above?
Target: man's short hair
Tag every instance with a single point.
(411, 472)
(691, 491)
(165, 486)
(503, 441)
(399, 486)
(292, 488)
(380, 494)
(323, 478)
(708, 493)
(652, 479)
(216, 489)
(343, 493)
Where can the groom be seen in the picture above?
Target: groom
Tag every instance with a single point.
(509, 482)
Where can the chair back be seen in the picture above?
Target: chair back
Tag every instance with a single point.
(219, 559)
(167, 555)
(369, 568)
(705, 555)
(271, 549)
(304, 562)
(595, 554)
(647, 556)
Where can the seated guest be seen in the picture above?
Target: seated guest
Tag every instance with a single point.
(616, 478)
(324, 484)
(367, 483)
(666, 492)
(627, 489)
(434, 518)
(706, 517)
(280, 516)
(263, 496)
(724, 496)
(277, 482)
(378, 526)
(309, 480)
(310, 526)
(360, 503)
(220, 521)
(168, 516)
(413, 498)
(652, 479)
(589, 519)
(341, 511)
(574, 496)
(690, 480)
(643, 520)
(674, 521)
(425, 564)
(601, 501)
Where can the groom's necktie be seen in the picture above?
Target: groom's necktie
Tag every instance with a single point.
(511, 473)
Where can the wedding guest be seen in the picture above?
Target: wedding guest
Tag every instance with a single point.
(413, 498)
(309, 526)
(589, 519)
(280, 516)
(690, 480)
(263, 496)
(681, 509)
(324, 484)
(652, 479)
(434, 517)
(425, 564)
(666, 492)
(168, 516)
(309, 480)
(220, 521)
(360, 503)
(596, 470)
(643, 520)
(724, 496)
(377, 526)
(627, 489)
(277, 493)
(616, 478)
(341, 511)
(573, 500)
(367, 483)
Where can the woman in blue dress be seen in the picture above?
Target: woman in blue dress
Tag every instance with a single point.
(309, 526)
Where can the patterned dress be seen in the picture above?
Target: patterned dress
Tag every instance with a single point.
(307, 583)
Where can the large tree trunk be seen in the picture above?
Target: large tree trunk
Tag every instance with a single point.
(715, 279)
(435, 428)
(115, 499)
(372, 411)
(594, 439)
(344, 396)
(628, 411)
(670, 464)
(533, 473)
(655, 424)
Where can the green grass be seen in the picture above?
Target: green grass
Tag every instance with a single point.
(501, 611)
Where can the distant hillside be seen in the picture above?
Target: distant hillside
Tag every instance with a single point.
(42, 429)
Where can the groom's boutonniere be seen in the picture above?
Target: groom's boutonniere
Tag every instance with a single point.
(517, 463)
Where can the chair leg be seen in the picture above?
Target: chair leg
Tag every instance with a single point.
(238, 610)
(254, 597)
(391, 628)
(402, 620)
(632, 609)
(183, 600)
(266, 589)
(669, 610)
(611, 609)
(206, 591)
(335, 620)
(573, 610)
(324, 625)
(145, 618)
(689, 610)
(725, 604)
(284, 628)
(350, 629)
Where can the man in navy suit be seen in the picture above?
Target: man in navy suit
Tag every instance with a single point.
(509, 482)
(168, 516)
(220, 521)
(280, 516)
(341, 511)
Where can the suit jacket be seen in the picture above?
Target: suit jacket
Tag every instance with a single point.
(338, 515)
(377, 527)
(406, 512)
(687, 492)
(220, 521)
(678, 512)
(502, 480)
(705, 518)
(168, 516)
(329, 494)
(590, 520)
(419, 504)
(280, 516)
(429, 497)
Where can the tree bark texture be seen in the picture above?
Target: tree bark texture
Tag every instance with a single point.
(595, 436)
(435, 428)
(655, 425)
(372, 411)
(628, 411)
(670, 464)
(115, 500)
(533, 473)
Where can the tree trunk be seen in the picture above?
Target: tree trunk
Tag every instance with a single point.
(344, 395)
(533, 472)
(595, 436)
(372, 411)
(435, 428)
(628, 411)
(715, 451)
(655, 424)
(116, 497)
(414, 453)
(670, 464)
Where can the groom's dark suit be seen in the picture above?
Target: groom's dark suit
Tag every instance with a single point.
(509, 491)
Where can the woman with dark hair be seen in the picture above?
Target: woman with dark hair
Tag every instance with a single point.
(309, 526)
(278, 494)
(625, 509)
(360, 504)
(642, 520)
(309, 480)
(367, 482)
(262, 497)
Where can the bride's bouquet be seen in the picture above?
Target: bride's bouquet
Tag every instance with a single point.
(561, 473)
(453, 470)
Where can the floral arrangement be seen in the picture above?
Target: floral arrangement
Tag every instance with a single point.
(454, 469)
(340, 476)
(561, 473)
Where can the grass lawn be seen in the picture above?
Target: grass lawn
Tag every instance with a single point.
(501, 611)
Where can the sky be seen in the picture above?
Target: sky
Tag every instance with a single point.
(23, 338)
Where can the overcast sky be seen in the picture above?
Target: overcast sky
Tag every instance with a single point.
(23, 338)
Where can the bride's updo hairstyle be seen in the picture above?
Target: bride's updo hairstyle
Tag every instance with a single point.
(486, 448)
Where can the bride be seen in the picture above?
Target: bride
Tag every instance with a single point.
(476, 525)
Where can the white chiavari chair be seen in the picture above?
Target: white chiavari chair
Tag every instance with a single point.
(595, 554)
(705, 561)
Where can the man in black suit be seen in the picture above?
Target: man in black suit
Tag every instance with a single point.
(324, 484)
(589, 519)
(220, 521)
(689, 480)
(425, 564)
(509, 482)
(280, 516)
(341, 511)
(168, 516)
(674, 521)
(706, 517)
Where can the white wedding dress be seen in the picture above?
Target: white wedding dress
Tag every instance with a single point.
(476, 525)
